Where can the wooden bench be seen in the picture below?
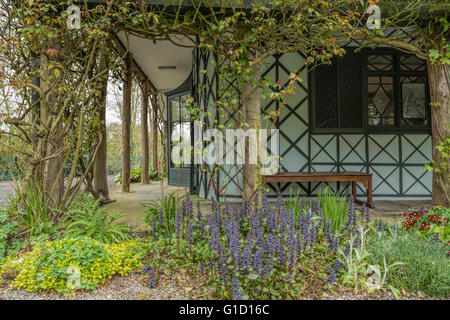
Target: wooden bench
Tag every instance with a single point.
(350, 176)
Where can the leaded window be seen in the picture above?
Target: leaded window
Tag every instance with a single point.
(397, 92)
(376, 90)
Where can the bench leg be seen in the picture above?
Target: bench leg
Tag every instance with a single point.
(368, 185)
(369, 193)
(354, 190)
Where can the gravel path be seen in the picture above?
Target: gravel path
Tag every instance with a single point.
(136, 287)
(379, 295)
(132, 287)
(6, 190)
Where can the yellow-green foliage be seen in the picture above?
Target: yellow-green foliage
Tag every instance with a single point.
(51, 265)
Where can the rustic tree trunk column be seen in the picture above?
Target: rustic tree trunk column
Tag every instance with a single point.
(155, 130)
(126, 125)
(100, 170)
(144, 134)
(251, 104)
(163, 132)
(439, 79)
(52, 175)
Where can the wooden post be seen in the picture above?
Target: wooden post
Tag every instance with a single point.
(155, 130)
(439, 80)
(126, 124)
(100, 170)
(144, 134)
(251, 105)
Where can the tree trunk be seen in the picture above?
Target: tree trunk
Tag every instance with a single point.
(144, 134)
(155, 131)
(438, 76)
(163, 133)
(52, 175)
(251, 104)
(126, 125)
(100, 170)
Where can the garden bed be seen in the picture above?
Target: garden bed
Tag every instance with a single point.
(293, 249)
(136, 287)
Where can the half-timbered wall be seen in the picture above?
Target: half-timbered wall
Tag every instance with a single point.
(396, 160)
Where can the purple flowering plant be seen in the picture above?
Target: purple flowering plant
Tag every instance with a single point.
(262, 250)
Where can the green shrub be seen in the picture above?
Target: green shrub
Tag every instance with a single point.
(135, 175)
(425, 265)
(69, 264)
(86, 218)
(8, 229)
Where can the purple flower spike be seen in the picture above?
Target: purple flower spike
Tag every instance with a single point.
(347, 250)
(282, 257)
(292, 250)
(146, 268)
(152, 279)
(337, 265)
(332, 276)
(328, 231)
(436, 238)
(236, 292)
(299, 242)
(202, 227)
(190, 231)
(189, 206)
(154, 229)
(283, 222)
(380, 226)
(247, 256)
(258, 259)
(334, 243)
(161, 217)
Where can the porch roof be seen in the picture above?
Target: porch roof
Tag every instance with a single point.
(165, 64)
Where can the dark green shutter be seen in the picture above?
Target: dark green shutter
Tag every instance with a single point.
(325, 95)
(337, 95)
(350, 91)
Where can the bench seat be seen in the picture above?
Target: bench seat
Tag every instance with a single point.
(348, 176)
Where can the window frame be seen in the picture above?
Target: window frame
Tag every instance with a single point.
(396, 73)
(180, 121)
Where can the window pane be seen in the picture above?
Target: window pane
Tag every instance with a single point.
(174, 108)
(381, 101)
(380, 62)
(412, 63)
(183, 103)
(414, 100)
(180, 132)
(177, 165)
